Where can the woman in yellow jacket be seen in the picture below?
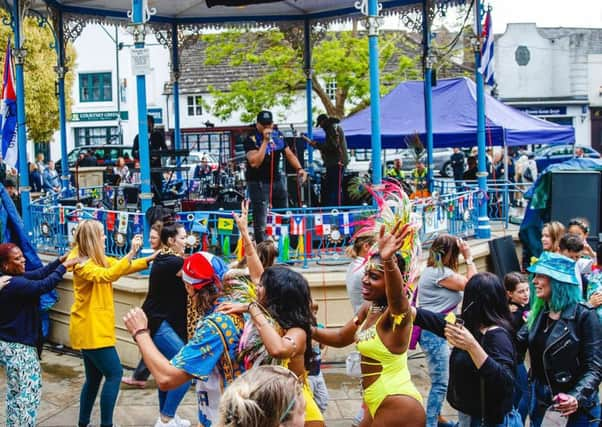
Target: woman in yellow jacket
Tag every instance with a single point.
(92, 322)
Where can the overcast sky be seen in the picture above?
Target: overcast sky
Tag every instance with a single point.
(546, 13)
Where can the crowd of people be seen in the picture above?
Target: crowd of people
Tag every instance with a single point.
(247, 333)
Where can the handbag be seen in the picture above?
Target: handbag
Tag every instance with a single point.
(553, 418)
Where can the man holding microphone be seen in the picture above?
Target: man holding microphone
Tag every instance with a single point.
(265, 181)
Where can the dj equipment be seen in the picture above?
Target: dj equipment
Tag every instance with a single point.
(503, 256)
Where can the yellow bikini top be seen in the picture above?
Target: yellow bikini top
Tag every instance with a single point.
(370, 345)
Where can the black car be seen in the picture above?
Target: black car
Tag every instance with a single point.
(106, 155)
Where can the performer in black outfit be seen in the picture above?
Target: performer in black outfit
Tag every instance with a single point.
(156, 142)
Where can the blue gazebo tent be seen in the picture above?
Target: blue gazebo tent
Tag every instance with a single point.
(454, 119)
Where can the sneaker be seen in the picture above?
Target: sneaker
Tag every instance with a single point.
(133, 382)
(181, 422)
(174, 422)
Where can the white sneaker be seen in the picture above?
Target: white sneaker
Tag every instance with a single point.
(181, 422)
(174, 422)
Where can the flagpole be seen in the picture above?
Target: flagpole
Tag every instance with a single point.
(483, 226)
(19, 54)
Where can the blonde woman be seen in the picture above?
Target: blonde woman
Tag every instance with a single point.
(92, 322)
(551, 234)
(265, 396)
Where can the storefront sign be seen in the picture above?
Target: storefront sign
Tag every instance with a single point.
(98, 116)
(157, 114)
(544, 110)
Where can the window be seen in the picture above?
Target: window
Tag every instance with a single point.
(95, 87)
(97, 136)
(331, 89)
(195, 105)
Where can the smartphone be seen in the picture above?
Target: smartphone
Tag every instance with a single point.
(459, 321)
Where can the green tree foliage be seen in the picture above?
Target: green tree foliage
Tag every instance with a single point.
(276, 58)
(41, 104)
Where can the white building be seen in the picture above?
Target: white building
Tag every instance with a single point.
(104, 109)
(553, 73)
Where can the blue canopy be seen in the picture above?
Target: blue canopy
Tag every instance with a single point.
(454, 119)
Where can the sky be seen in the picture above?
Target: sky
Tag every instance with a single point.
(546, 13)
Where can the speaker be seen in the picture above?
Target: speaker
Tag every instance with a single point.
(577, 194)
(503, 256)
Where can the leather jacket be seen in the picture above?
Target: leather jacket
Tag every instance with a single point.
(572, 358)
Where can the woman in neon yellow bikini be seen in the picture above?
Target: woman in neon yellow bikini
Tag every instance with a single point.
(384, 323)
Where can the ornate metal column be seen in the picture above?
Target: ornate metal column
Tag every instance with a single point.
(17, 16)
(140, 14)
(483, 227)
(371, 9)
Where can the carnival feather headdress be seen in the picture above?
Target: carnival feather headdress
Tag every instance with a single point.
(394, 206)
(415, 144)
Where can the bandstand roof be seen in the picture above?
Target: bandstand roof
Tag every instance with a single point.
(219, 11)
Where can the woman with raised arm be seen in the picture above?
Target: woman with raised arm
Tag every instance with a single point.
(384, 324)
(92, 321)
(279, 329)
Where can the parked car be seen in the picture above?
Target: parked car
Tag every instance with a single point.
(193, 159)
(106, 155)
(551, 154)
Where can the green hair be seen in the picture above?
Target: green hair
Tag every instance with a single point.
(563, 295)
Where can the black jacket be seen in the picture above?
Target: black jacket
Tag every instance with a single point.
(572, 358)
(496, 374)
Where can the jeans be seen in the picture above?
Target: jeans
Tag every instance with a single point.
(259, 194)
(541, 399)
(522, 392)
(98, 363)
(169, 343)
(332, 189)
(512, 420)
(437, 356)
(141, 373)
(23, 383)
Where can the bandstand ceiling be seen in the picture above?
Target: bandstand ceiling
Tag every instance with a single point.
(216, 11)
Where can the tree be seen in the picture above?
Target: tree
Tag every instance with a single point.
(276, 57)
(41, 104)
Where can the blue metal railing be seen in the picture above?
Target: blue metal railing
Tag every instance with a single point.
(304, 235)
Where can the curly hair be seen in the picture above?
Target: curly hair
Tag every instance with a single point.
(288, 299)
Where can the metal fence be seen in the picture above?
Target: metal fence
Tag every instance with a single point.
(303, 235)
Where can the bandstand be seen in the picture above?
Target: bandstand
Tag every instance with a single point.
(175, 24)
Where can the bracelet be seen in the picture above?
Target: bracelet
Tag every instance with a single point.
(139, 332)
(390, 260)
(469, 261)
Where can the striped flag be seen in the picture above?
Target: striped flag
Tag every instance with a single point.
(297, 225)
(487, 52)
(8, 113)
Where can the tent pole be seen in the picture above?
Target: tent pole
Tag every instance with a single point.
(308, 100)
(483, 227)
(139, 17)
(373, 25)
(428, 91)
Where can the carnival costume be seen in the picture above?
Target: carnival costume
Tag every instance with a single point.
(211, 352)
(252, 352)
(394, 377)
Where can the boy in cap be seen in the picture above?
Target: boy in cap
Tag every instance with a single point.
(266, 183)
